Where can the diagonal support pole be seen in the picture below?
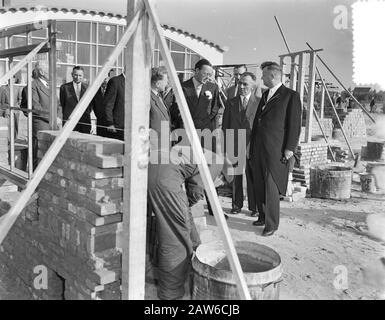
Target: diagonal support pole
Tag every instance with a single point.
(342, 85)
(22, 62)
(9, 219)
(200, 158)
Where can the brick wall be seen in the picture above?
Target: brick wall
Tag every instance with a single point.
(310, 154)
(72, 223)
(327, 125)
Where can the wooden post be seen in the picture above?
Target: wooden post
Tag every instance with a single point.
(322, 110)
(282, 64)
(15, 69)
(200, 158)
(293, 73)
(52, 74)
(11, 122)
(29, 114)
(342, 85)
(301, 75)
(310, 98)
(137, 107)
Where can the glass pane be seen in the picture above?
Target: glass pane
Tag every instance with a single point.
(42, 33)
(36, 41)
(194, 59)
(66, 30)
(63, 74)
(17, 41)
(107, 34)
(87, 75)
(83, 54)
(161, 61)
(178, 59)
(155, 59)
(2, 68)
(65, 52)
(2, 43)
(104, 53)
(94, 33)
(84, 31)
(93, 55)
(120, 61)
(177, 47)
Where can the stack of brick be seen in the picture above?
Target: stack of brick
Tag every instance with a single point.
(327, 126)
(353, 122)
(5, 186)
(309, 154)
(78, 219)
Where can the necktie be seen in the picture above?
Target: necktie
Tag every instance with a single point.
(78, 90)
(245, 102)
(266, 99)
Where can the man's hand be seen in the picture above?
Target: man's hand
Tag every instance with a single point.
(288, 154)
(111, 128)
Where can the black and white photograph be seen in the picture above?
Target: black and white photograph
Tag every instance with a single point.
(195, 150)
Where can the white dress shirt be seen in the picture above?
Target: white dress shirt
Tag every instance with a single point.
(44, 82)
(273, 90)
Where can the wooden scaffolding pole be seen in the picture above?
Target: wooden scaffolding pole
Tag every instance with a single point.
(310, 98)
(137, 107)
(7, 221)
(200, 158)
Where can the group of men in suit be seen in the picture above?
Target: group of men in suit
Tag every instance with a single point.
(107, 104)
(272, 128)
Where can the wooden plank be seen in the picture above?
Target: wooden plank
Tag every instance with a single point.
(301, 76)
(52, 74)
(322, 110)
(310, 98)
(10, 218)
(29, 115)
(199, 157)
(9, 74)
(342, 85)
(7, 32)
(137, 107)
(291, 54)
(21, 51)
(293, 74)
(16, 176)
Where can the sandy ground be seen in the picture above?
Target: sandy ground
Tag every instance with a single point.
(315, 236)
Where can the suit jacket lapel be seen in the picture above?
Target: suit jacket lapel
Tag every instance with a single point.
(276, 95)
(83, 89)
(251, 109)
(160, 105)
(43, 87)
(191, 92)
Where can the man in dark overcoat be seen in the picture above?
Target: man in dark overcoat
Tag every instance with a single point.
(274, 139)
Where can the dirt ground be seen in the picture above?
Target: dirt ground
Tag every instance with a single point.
(315, 236)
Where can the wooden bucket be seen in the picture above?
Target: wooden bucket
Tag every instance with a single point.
(331, 182)
(214, 280)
